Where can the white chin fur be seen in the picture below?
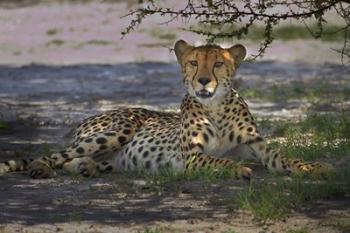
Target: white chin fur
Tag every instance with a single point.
(215, 99)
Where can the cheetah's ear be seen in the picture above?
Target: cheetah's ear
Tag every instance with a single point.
(238, 53)
(180, 48)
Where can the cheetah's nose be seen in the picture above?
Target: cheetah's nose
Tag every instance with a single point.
(204, 80)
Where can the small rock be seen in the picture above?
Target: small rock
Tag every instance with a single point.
(139, 182)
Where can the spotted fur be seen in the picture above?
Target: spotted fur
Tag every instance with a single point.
(214, 122)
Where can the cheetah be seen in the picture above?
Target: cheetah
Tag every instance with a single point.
(213, 121)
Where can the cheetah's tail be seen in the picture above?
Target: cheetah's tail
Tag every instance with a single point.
(14, 166)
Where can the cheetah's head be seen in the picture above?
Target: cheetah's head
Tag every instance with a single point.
(208, 70)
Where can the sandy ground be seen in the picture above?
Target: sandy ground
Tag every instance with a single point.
(61, 63)
(41, 103)
(90, 33)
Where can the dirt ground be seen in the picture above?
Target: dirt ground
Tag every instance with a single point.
(61, 63)
(41, 103)
(65, 34)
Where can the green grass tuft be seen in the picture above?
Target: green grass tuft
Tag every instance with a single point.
(342, 226)
(3, 124)
(159, 230)
(163, 34)
(207, 175)
(300, 230)
(55, 42)
(229, 231)
(94, 42)
(320, 93)
(98, 42)
(317, 136)
(264, 200)
(274, 200)
(284, 32)
(149, 230)
(52, 32)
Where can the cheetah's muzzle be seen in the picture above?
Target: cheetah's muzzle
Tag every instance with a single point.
(204, 94)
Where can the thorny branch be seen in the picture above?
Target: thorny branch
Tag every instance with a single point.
(239, 16)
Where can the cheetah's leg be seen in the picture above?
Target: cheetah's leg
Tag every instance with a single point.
(274, 161)
(197, 161)
(92, 146)
(87, 167)
(97, 135)
(14, 166)
(193, 153)
(85, 152)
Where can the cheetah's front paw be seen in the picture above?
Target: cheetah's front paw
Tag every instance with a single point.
(88, 168)
(313, 169)
(85, 166)
(244, 172)
(4, 168)
(39, 169)
(316, 169)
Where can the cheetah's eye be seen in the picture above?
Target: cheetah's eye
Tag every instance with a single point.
(194, 63)
(218, 64)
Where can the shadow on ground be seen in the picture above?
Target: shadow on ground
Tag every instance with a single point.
(110, 200)
(39, 104)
